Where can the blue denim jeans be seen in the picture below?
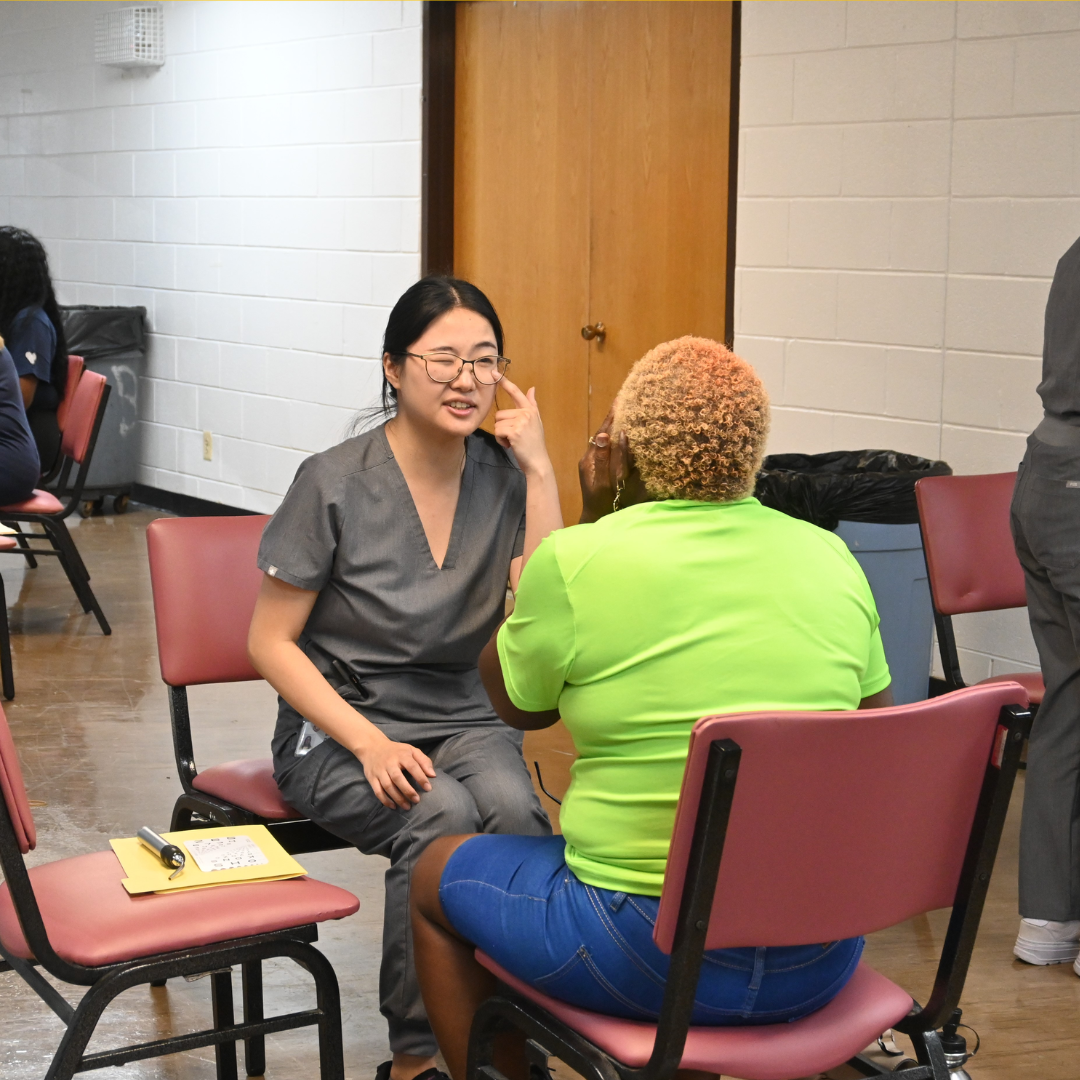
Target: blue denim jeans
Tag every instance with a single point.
(515, 898)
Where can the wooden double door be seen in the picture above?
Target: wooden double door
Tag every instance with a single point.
(592, 181)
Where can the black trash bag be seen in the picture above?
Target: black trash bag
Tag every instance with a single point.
(104, 333)
(846, 485)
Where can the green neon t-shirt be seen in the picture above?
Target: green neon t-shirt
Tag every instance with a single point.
(637, 626)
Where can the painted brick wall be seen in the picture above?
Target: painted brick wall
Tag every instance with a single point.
(909, 176)
(259, 194)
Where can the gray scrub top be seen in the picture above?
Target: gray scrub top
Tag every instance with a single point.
(409, 632)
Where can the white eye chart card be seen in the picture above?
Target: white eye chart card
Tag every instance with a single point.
(225, 853)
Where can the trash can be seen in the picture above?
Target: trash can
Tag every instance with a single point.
(867, 497)
(112, 342)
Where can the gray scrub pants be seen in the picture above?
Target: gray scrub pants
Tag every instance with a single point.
(1046, 528)
(482, 784)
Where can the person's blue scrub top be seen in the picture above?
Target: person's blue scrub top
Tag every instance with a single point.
(31, 341)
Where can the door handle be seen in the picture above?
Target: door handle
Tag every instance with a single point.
(594, 331)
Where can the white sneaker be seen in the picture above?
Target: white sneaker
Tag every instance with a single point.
(1041, 941)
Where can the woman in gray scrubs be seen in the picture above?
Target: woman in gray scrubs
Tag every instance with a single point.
(385, 574)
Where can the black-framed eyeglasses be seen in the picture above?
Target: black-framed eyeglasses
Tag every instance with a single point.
(446, 367)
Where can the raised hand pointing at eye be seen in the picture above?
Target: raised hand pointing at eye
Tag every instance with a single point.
(520, 429)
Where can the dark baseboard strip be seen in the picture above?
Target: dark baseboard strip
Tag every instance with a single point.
(183, 505)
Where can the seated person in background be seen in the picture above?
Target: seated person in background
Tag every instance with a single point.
(19, 465)
(30, 323)
(691, 599)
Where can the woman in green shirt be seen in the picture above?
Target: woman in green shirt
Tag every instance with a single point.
(691, 599)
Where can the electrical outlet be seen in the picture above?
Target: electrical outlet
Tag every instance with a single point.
(207, 446)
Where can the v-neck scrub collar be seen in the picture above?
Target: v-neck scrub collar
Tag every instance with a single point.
(461, 511)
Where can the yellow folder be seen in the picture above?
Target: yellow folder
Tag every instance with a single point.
(146, 873)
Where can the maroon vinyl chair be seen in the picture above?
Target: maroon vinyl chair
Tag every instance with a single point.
(971, 561)
(46, 509)
(205, 582)
(7, 675)
(76, 365)
(788, 832)
(74, 919)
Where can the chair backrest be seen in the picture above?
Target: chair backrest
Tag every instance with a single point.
(827, 806)
(86, 403)
(14, 791)
(205, 582)
(74, 373)
(970, 555)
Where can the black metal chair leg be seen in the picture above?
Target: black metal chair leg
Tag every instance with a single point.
(67, 557)
(80, 586)
(254, 1049)
(224, 1053)
(31, 562)
(68, 1056)
(60, 536)
(76, 572)
(328, 997)
(930, 1054)
(7, 677)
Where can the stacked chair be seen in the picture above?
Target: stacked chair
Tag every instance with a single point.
(81, 425)
(7, 678)
(76, 366)
(74, 919)
(788, 832)
(971, 561)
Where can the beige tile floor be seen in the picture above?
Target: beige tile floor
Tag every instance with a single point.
(91, 722)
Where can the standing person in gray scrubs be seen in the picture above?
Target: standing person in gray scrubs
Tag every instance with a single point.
(386, 569)
(1046, 528)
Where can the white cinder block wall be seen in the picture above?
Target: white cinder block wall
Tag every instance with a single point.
(909, 175)
(259, 194)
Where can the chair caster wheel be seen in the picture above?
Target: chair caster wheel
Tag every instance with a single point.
(159, 982)
(120, 504)
(906, 1064)
(90, 507)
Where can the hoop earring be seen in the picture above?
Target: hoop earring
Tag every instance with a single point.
(618, 496)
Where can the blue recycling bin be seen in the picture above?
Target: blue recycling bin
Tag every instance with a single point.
(891, 556)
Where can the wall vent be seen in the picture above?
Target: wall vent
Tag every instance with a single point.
(132, 37)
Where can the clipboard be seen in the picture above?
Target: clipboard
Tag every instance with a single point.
(147, 874)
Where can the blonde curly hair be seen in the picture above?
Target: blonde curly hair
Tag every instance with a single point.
(696, 417)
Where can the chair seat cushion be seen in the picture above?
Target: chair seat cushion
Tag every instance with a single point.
(92, 920)
(7, 543)
(867, 1006)
(1031, 681)
(248, 784)
(41, 502)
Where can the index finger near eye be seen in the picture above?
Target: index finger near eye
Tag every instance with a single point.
(512, 388)
(608, 420)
